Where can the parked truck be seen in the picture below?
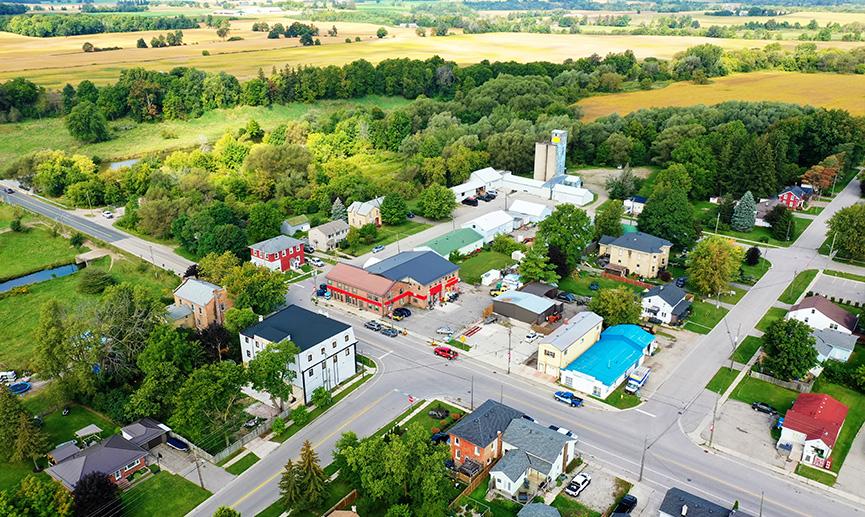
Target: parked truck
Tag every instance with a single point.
(637, 379)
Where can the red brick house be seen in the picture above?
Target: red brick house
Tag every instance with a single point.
(116, 457)
(795, 197)
(280, 253)
(476, 439)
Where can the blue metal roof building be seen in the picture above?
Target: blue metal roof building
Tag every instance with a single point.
(601, 368)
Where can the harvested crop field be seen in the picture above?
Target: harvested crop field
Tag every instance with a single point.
(824, 90)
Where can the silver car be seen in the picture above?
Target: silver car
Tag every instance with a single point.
(445, 331)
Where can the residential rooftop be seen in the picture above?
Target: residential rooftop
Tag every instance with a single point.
(569, 333)
(637, 241)
(303, 327)
(276, 244)
(483, 424)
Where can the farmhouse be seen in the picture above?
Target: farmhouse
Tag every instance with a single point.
(327, 346)
(280, 253)
(666, 304)
(601, 368)
(795, 197)
(489, 225)
(116, 457)
(464, 241)
(198, 304)
(328, 235)
(819, 313)
(364, 213)
(812, 426)
(559, 349)
(635, 253)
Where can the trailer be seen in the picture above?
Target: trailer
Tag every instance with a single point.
(637, 379)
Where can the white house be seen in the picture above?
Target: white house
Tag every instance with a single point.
(819, 313)
(532, 453)
(526, 212)
(634, 205)
(327, 346)
(491, 224)
(831, 344)
(812, 426)
(666, 303)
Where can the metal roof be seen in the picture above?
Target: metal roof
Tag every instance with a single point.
(365, 207)
(490, 221)
(196, 291)
(481, 426)
(569, 333)
(454, 240)
(637, 241)
(304, 328)
(424, 267)
(529, 208)
(176, 312)
(528, 301)
(619, 349)
(276, 244)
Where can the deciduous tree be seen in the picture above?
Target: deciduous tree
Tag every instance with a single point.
(265, 221)
(225, 511)
(536, 267)
(437, 202)
(789, 348)
(87, 124)
(608, 219)
(271, 371)
(713, 264)
(258, 288)
(669, 215)
(617, 306)
(568, 229)
(393, 209)
(215, 267)
(846, 229)
(207, 401)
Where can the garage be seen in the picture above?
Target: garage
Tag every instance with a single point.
(526, 307)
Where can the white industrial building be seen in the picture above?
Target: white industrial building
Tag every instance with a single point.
(526, 212)
(491, 224)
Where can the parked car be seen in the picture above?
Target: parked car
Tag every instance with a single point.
(308, 249)
(496, 292)
(486, 198)
(532, 337)
(445, 331)
(410, 215)
(179, 445)
(322, 292)
(493, 192)
(107, 214)
(252, 422)
(762, 407)
(390, 332)
(402, 311)
(566, 297)
(680, 282)
(594, 286)
(470, 201)
(492, 318)
(395, 316)
(317, 262)
(9, 190)
(446, 352)
(626, 505)
(578, 484)
(562, 430)
(440, 438)
(378, 248)
(568, 398)
(373, 325)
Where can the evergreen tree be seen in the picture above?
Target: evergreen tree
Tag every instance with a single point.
(311, 478)
(726, 205)
(338, 211)
(752, 256)
(30, 443)
(289, 489)
(745, 213)
(782, 223)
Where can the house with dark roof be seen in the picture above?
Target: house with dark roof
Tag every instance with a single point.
(795, 197)
(146, 433)
(820, 313)
(115, 456)
(811, 428)
(534, 455)
(678, 503)
(477, 438)
(198, 304)
(666, 304)
(538, 510)
(417, 278)
(635, 253)
(327, 346)
(280, 253)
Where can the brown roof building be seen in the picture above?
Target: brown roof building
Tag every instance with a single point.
(819, 313)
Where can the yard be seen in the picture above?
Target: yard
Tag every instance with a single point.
(498, 507)
(620, 399)
(165, 494)
(746, 349)
(752, 390)
(569, 507)
(239, 467)
(22, 253)
(388, 234)
(704, 317)
(798, 286)
(734, 296)
(16, 349)
(855, 401)
(473, 267)
(722, 380)
(764, 235)
(772, 315)
(580, 284)
(751, 274)
(430, 423)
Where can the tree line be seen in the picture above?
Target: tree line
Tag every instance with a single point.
(47, 25)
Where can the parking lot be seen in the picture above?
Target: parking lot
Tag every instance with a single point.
(839, 289)
(672, 348)
(601, 493)
(740, 428)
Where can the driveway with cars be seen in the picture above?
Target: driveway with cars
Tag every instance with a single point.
(600, 494)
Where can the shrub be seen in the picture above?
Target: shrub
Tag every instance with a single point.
(665, 276)
(235, 38)
(278, 426)
(348, 40)
(77, 239)
(300, 415)
(456, 416)
(205, 52)
(16, 225)
(443, 423)
(168, 134)
(154, 468)
(94, 281)
(435, 429)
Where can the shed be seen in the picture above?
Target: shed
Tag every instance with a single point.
(525, 307)
(539, 289)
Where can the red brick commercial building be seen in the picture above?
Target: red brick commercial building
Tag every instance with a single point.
(416, 278)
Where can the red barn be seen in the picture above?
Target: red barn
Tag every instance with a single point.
(280, 253)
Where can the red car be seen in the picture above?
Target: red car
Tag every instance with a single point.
(446, 352)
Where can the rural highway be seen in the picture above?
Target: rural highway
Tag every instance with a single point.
(608, 439)
(157, 254)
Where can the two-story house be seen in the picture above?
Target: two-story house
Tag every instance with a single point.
(666, 304)
(327, 347)
(635, 253)
(477, 438)
(362, 213)
(795, 197)
(819, 313)
(280, 253)
(559, 349)
(198, 304)
(327, 236)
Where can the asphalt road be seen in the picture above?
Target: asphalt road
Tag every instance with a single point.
(614, 439)
(157, 254)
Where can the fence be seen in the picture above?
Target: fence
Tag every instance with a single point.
(626, 280)
(800, 386)
(343, 503)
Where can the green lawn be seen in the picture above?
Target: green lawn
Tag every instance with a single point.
(798, 286)
(722, 380)
(569, 507)
(620, 399)
(472, 268)
(579, 285)
(764, 235)
(10, 212)
(498, 507)
(31, 251)
(61, 428)
(131, 139)
(238, 467)
(814, 210)
(12, 473)
(16, 348)
(166, 495)
(818, 475)
(390, 425)
(428, 422)
(751, 274)
(772, 315)
(735, 297)
(752, 390)
(274, 510)
(855, 401)
(746, 349)
(388, 234)
(844, 274)
(704, 317)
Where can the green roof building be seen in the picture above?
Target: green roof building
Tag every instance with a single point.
(464, 240)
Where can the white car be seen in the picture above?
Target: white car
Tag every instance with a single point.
(315, 261)
(107, 214)
(446, 331)
(578, 484)
(532, 337)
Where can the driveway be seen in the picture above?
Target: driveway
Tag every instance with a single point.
(740, 428)
(600, 494)
(672, 349)
(852, 475)
(839, 289)
(490, 345)
(183, 464)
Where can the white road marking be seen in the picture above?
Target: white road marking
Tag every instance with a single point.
(385, 355)
(638, 410)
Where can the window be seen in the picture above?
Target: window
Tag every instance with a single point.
(132, 465)
(310, 373)
(248, 353)
(347, 351)
(549, 353)
(309, 357)
(334, 359)
(346, 338)
(333, 344)
(477, 451)
(322, 351)
(456, 455)
(456, 441)
(117, 474)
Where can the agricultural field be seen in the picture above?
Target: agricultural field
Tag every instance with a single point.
(824, 90)
(134, 140)
(52, 62)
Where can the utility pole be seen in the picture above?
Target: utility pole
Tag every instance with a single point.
(717, 221)
(761, 503)
(832, 246)
(643, 457)
(509, 350)
(198, 468)
(788, 229)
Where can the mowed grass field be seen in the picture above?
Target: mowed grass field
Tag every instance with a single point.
(52, 62)
(16, 140)
(824, 90)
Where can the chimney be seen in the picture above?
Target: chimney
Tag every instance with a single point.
(684, 510)
(260, 318)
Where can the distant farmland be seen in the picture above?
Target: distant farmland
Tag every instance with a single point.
(823, 90)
